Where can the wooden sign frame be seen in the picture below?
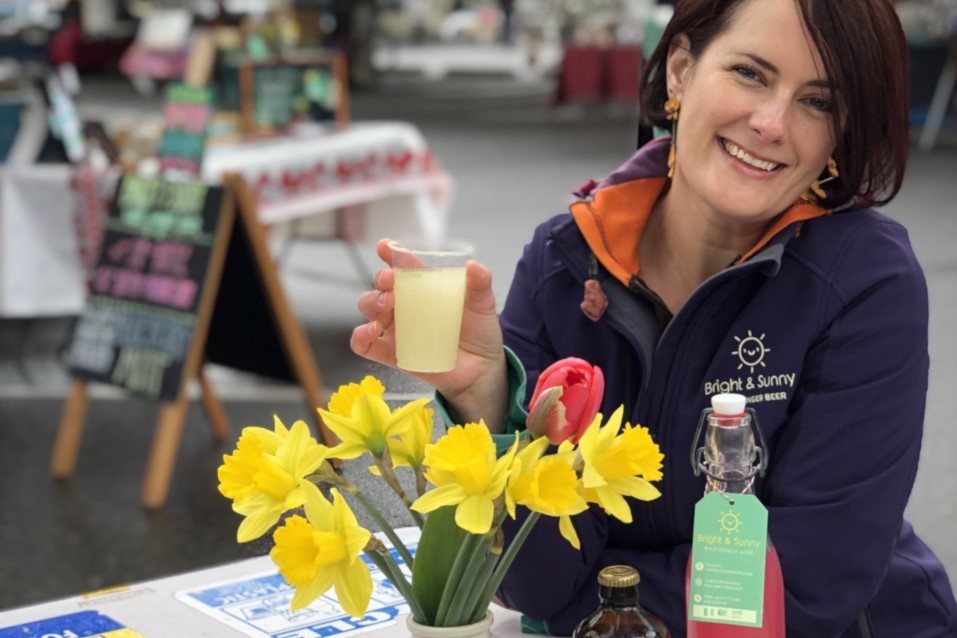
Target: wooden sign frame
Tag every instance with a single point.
(238, 210)
(246, 72)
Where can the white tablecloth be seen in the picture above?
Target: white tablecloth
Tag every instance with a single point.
(155, 609)
(40, 269)
(386, 167)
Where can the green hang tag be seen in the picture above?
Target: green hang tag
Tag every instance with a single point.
(726, 574)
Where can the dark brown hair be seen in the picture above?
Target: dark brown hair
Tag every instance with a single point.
(864, 51)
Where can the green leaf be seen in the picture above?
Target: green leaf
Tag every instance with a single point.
(438, 547)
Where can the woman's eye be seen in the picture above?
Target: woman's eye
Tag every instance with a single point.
(747, 72)
(819, 104)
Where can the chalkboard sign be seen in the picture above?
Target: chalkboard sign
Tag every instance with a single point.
(185, 276)
(272, 93)
(185, 115)
(147, 285)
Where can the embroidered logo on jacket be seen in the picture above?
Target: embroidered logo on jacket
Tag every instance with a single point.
(750, 351)
(751, 354)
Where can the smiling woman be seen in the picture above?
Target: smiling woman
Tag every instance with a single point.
(739, 254)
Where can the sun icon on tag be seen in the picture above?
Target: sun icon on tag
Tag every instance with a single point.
(750, 351)
(729, 522)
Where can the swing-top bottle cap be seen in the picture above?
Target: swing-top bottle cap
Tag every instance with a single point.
(728, 404)
(618, 576)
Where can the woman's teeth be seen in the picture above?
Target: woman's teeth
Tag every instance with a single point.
(736, 151)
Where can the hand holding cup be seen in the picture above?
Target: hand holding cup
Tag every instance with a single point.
(478, 367)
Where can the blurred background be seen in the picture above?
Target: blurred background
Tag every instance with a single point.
(348, 120)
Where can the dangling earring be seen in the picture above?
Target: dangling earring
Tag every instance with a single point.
(672, 106)
(814, 193)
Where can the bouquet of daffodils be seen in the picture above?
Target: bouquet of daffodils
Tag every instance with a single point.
(461, 559)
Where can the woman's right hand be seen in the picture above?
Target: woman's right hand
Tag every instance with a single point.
(476, 387)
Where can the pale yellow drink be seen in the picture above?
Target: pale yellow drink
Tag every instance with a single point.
(428, 317)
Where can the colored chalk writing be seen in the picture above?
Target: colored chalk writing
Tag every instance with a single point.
(186, 115)
(146, 286)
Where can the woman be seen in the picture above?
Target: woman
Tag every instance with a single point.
(739, 255)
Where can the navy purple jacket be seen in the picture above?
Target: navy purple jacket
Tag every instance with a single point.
(824, 329)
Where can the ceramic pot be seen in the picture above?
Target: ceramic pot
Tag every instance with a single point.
(481, 629)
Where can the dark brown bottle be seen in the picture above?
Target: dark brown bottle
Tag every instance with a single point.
(618, 615)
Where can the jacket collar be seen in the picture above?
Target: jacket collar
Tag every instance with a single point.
(613, 216)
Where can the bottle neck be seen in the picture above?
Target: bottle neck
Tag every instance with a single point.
(618, 597)
(730, 454)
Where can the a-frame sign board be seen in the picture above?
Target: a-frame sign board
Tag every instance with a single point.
(185, 277)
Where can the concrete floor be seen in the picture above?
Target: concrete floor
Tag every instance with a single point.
(514, 165)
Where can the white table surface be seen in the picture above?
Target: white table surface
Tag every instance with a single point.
(152, 610)
(395, 201)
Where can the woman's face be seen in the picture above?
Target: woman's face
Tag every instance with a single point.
(754, 126)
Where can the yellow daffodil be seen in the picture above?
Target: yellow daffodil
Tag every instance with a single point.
(369, 423)
(264, 475)
(342, 400)
(547, 485)
(322, 551)
(408, 450)
(463, 468)
(616, 465)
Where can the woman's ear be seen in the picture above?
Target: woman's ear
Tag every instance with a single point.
(679, 64)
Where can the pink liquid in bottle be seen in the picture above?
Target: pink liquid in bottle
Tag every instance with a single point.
(773, 618)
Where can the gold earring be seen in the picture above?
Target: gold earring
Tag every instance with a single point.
(672, 106)
(814, 193)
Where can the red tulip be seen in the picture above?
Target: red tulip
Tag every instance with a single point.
(566, 399)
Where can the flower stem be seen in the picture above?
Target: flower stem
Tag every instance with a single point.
(460, 609)
(388, 475)
(388, 566)
(480, 606)
(454, 580)
(384, 525)
(506, 561)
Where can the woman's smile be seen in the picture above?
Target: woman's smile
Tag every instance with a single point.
(749, 159)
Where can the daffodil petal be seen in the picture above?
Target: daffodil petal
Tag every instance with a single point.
(399, 421)
(322, 583)
(452, 494)
(343, 427)
(294, 445)
(346, 524)
(587, 442)
(610, 430)
(277, 424)
(567, 529)
(253, 502)
(347, 450)
(257, 524)
(614, 504)
(591, 477)
(474, 514)
(268, 438)
(319, 511)
(635, 487)
(354, 588)
(311, 459)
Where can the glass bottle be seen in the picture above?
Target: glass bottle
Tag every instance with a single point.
(618, 615)
(730, 461)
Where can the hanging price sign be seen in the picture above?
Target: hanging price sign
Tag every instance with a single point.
(728, 549)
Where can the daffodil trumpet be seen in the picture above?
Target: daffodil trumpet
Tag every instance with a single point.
(273, 479)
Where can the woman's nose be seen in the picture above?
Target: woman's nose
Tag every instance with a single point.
(769, 120)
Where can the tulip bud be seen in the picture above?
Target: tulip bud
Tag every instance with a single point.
(547, 414)
(582, 386)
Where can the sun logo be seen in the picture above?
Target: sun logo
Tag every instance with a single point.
(729, 522)
(750, 351)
